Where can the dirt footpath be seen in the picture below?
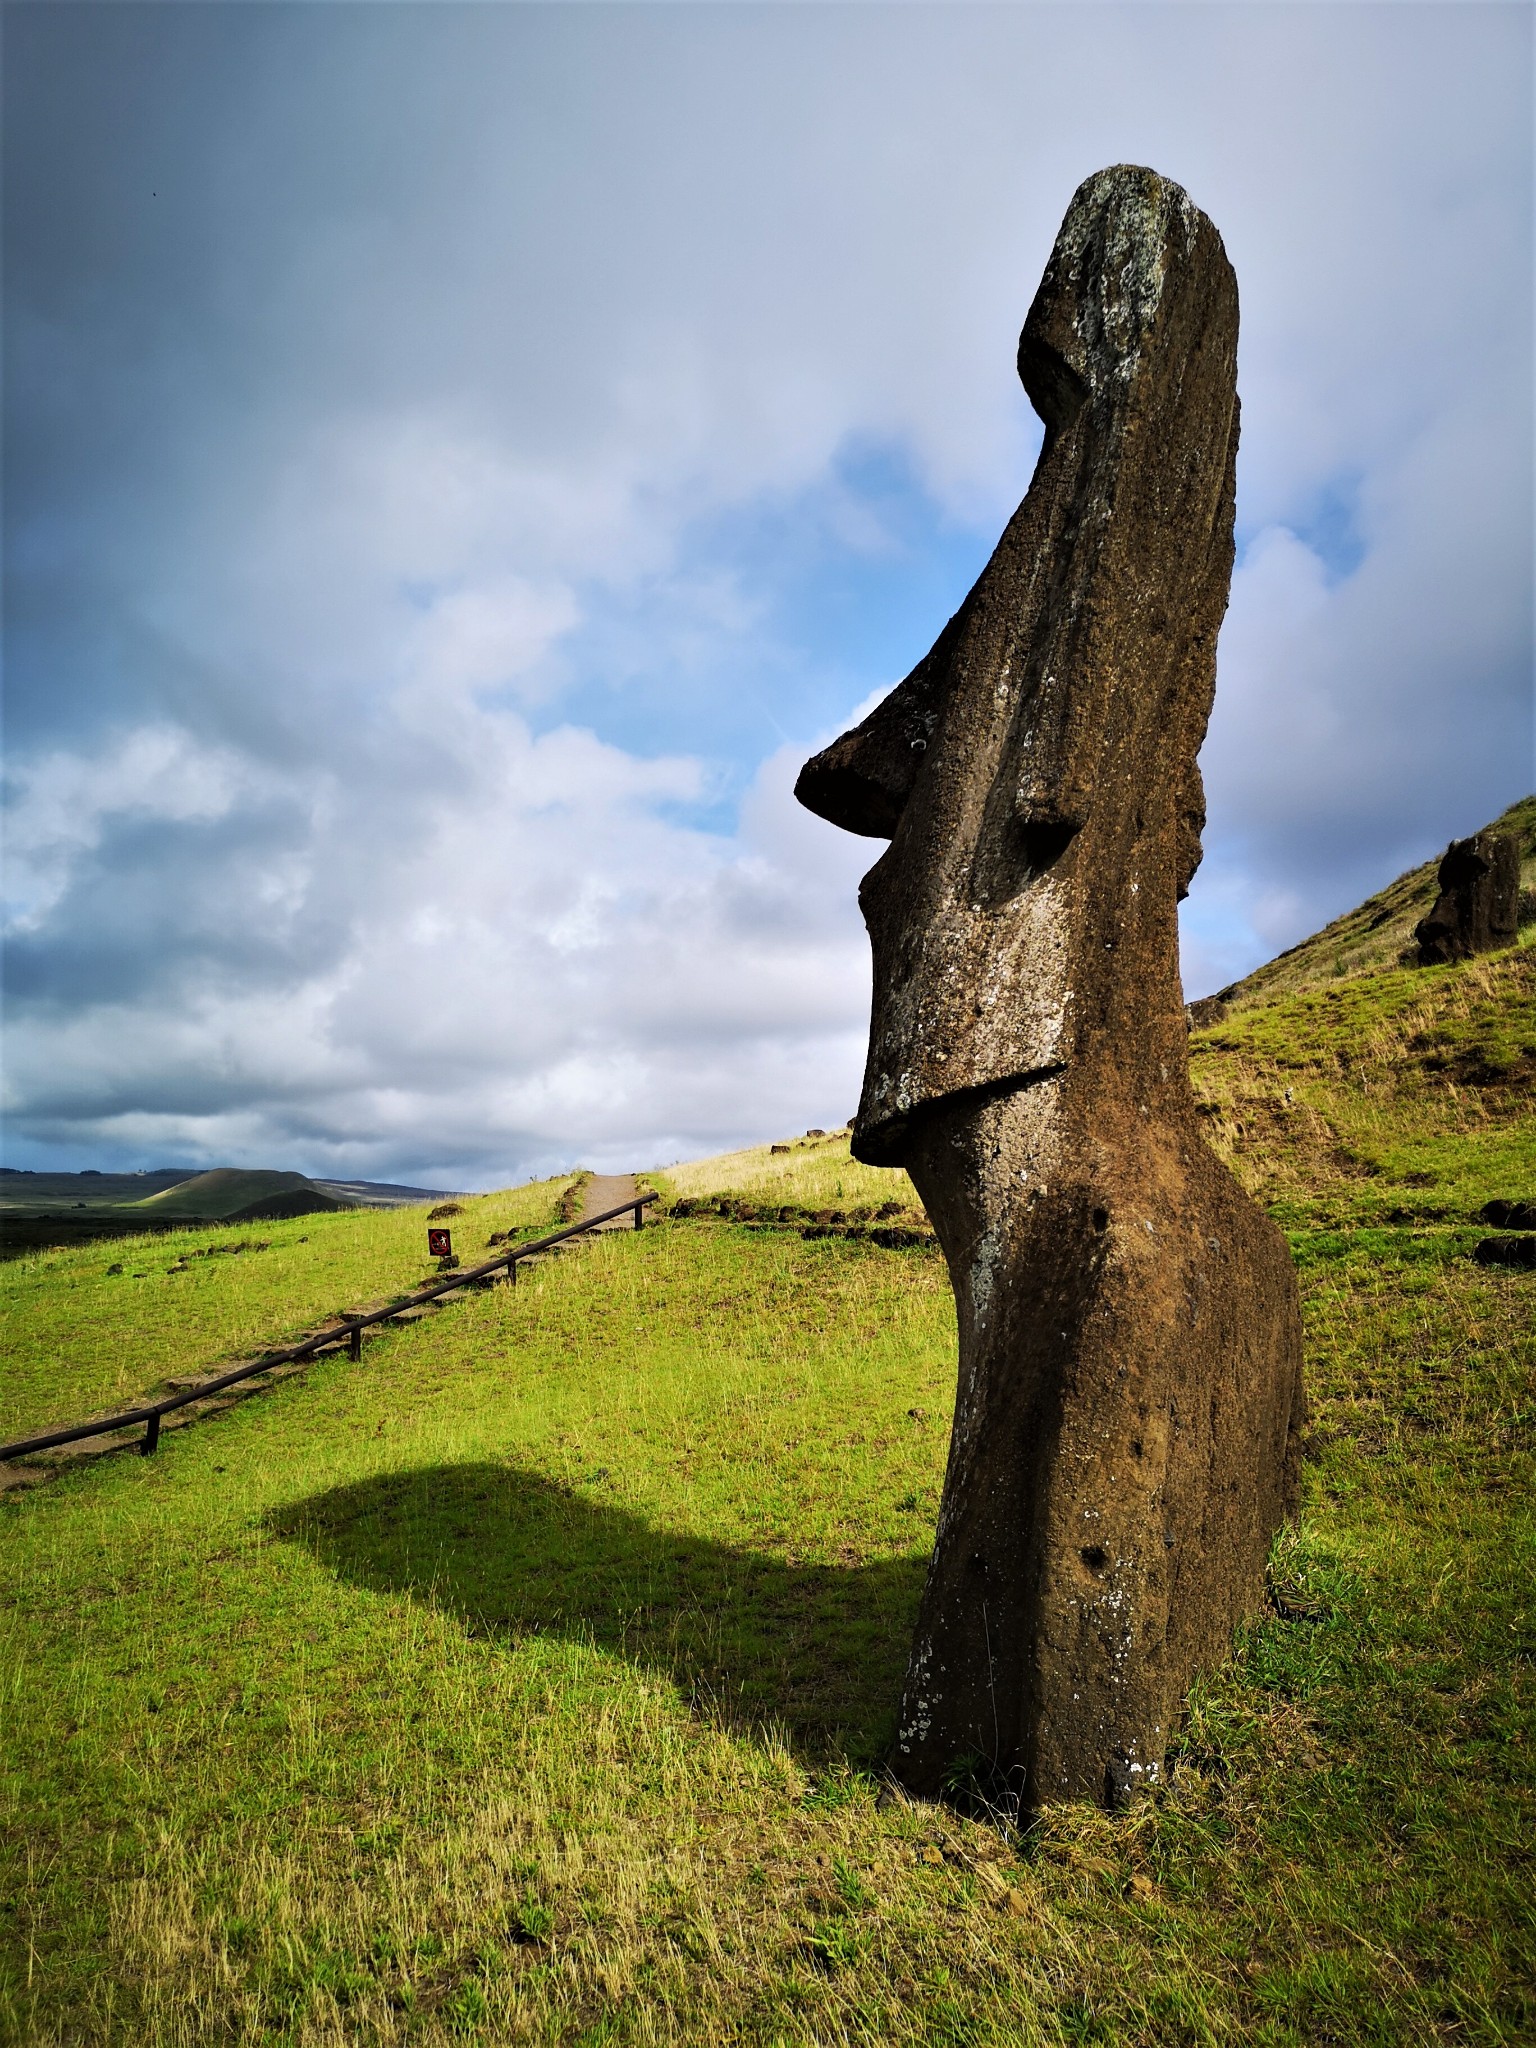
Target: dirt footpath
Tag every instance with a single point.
(606, 1191)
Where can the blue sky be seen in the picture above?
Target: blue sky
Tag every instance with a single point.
(835, 588)
(459, 461)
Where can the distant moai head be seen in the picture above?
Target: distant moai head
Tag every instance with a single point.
(1478, 907)
(1036, 772)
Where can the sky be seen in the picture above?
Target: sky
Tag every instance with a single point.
(460, 460)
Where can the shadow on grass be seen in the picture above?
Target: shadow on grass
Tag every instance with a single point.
(818, 1650)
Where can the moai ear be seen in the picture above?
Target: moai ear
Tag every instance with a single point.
(862, 781)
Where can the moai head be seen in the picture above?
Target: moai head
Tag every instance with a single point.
(1035, 774)
(1478, 905)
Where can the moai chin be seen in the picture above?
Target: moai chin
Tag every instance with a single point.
(1129, 1400)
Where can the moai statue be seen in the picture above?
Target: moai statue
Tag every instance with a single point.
(1129, 1403)
(1478, 906)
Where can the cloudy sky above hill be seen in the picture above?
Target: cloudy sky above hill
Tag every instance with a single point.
(459, 461)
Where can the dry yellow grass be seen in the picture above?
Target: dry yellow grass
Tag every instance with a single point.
(814, 1173)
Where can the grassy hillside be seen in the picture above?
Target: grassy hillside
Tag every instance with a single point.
(809, 1175)
(527, 1681)
(1399, 1098)
(45, 1211)
(90, 1328)
(1374, 936)
(223, 1191)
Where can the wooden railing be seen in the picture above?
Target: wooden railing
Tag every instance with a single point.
(350, 1334)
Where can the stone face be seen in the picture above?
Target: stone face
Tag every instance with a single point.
(1129, 1399)
(1479, 902)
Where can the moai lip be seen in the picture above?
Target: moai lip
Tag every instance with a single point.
(1129, 1402)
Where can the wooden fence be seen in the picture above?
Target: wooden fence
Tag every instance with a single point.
(350, 1334)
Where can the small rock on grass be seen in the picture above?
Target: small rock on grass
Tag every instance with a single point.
(1507, 1251)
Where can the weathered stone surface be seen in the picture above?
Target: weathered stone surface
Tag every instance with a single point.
(1205, 1011)
(1478, 906)
(1129, 1403)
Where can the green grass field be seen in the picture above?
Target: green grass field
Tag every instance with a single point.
(528, 1680)
(89, 1328)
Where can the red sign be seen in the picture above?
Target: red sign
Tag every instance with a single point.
(440, 1243)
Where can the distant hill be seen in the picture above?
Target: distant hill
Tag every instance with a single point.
(61, 1208)
(384, 1194)
(1375, 935)
(24, 1188)
(233, 1194)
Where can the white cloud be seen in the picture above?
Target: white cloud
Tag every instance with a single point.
(544, 963)
(480, 636)
(62, 802)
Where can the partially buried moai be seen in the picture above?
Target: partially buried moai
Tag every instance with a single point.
(1477, 908)
(1129, 1403)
